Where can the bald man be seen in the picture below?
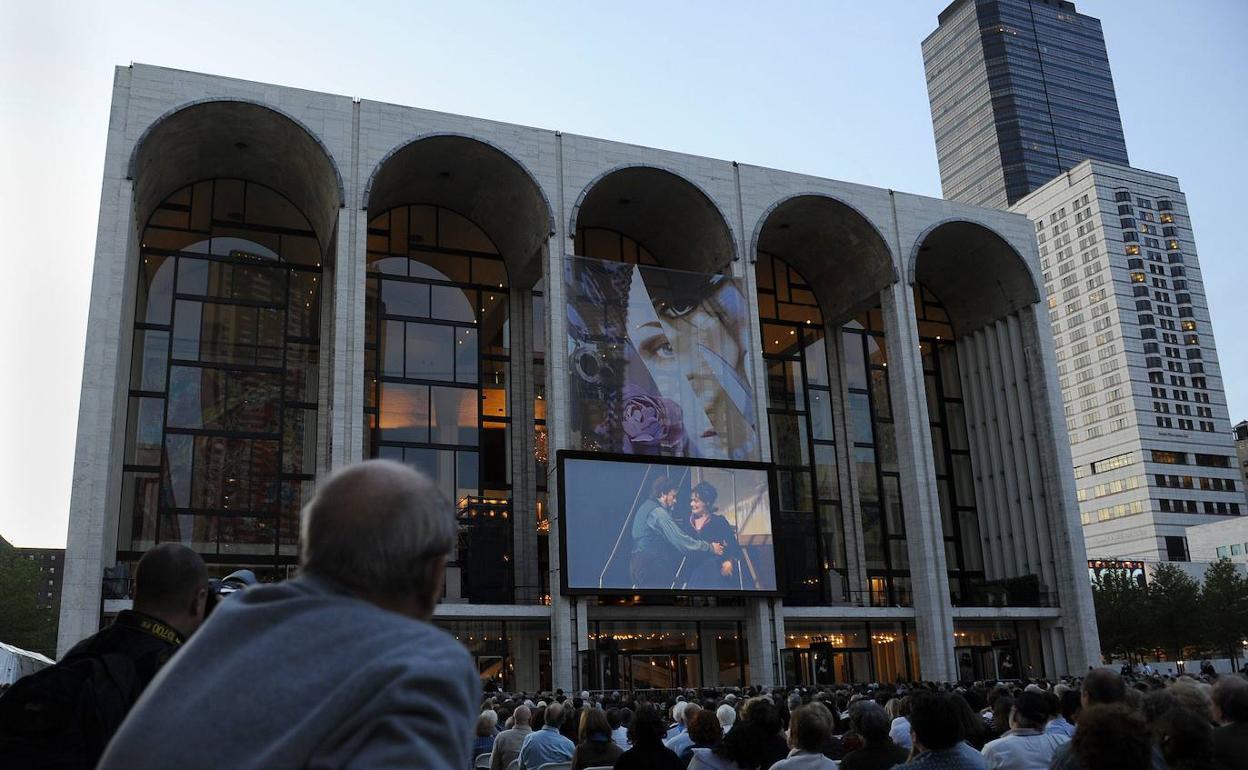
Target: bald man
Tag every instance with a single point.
(63, 716)
(507, 744)
(338, 668)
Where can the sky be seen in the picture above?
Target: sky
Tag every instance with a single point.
(833, 88)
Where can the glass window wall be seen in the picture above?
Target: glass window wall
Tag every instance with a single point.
(437, 362)
(221, 443)
(810, 523)
(874, 454)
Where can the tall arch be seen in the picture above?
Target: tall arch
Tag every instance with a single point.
(480, 182)
(226, 138)
(976, 306)
(976, 273)
(668, 215)
(844, 257)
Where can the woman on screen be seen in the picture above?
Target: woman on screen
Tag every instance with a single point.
(659, 542)
(711, 571)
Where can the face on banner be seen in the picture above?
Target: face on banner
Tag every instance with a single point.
(633, 526)
(658, 362)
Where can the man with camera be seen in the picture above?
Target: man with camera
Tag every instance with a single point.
(63, 716)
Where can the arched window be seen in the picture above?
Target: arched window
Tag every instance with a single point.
(803, 446)
(600, 243)
(437, 359)
(221, 448)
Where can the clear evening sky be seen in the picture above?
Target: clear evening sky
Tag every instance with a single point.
(832, 88)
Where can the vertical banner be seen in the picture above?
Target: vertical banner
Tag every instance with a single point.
(658, 362)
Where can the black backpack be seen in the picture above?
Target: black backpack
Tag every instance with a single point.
(64, 715)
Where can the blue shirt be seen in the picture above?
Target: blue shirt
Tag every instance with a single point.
(483, 744)
(1060, 726)
(680, 744)
(543, 746)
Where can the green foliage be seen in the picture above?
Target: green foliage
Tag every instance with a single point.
(1224, 608)
(1174, 613)
(22, 623)
(1119, 601)
(1173, 604)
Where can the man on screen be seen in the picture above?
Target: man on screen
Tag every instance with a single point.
(659, 544)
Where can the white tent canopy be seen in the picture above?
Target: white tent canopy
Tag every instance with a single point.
(16, 663)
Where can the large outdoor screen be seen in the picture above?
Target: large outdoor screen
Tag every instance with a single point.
(629, 525)
(659, 362)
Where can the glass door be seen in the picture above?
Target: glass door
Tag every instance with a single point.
(689, 669)
(652, 672)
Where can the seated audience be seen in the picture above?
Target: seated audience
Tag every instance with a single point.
(936, 734)
(1109, 737)
(704, 733)
(878, 752)
(1025, 746)
(645, 733)
(810, 727)
(755, 742)
(594, 746)
(682, 741)
(483, 743)
(1230, 711)
(507, 744)
(548, 744)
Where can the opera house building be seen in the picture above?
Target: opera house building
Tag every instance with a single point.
(702, 423)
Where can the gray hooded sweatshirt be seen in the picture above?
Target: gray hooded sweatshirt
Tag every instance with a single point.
(303, 674)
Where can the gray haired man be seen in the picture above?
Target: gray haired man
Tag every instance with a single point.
(337, 668)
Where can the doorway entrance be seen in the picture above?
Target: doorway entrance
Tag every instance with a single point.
(823, 664)
(663, 655)
(998, 661)
(662, 671)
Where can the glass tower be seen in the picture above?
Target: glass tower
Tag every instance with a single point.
(1020, 92)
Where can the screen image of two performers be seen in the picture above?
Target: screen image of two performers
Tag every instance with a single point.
(641, 526)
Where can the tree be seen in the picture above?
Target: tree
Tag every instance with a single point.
(22, 622)
(1224, 608)
(1173, 604)
(1118, 600)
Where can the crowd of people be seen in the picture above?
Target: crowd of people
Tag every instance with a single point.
(1103, 721)
(340, 668)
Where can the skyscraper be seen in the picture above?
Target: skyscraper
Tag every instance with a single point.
(1136, 362)
(1020, 92)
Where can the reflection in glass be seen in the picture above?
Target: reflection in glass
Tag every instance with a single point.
(430, 351)
(150, 359)
(236, 430)
(452, 275)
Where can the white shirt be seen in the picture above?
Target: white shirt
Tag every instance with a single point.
(1022, 750)
(900, 732)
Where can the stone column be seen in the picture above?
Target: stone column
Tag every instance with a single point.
(563, 638)
(524, 656)
(347, 393)
(521, 393)
(93, 504)
(925, 543)
(1078, 623)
